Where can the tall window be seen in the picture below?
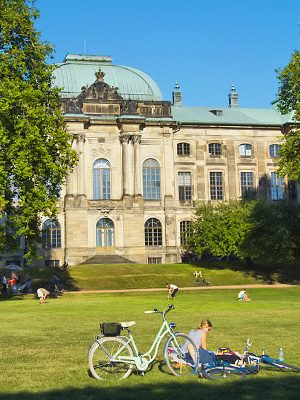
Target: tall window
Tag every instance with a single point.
(245, 150)
(101, 179)
(51, 234)
(246, 183)
(153, 232)
(184, 184)
(276, 187)
(216, 185)
(105, 233)
(185, 231)
(214, 149)
(274, 150)
(183, 149)
(151, 179)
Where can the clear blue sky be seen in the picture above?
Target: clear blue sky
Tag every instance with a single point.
(204, 45)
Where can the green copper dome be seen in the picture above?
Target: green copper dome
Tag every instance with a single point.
(77, 71)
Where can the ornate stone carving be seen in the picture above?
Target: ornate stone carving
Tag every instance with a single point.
(79, 137)
(129, 107)
(125, 138)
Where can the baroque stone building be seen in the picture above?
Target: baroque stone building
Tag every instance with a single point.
(145, 163)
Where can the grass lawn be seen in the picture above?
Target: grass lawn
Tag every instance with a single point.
(43, 348)
(135, 276)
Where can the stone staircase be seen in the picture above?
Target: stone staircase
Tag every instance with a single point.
(107, 259)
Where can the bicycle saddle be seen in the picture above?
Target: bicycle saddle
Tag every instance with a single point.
(127, 324)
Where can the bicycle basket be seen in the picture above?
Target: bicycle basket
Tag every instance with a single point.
(110, 328)
(205, 357)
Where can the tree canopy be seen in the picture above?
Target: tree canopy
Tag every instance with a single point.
(289, 102)
(35, 150)
(257, 231)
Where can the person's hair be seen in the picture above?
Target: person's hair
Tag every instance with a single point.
(168, 285)
(205, 324)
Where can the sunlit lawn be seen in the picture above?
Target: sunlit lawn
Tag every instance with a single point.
(43, 348)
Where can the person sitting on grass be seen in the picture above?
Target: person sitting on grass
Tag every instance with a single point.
(199, 337)
(243, 295)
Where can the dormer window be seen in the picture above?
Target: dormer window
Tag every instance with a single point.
(274, 150)
(183, 149)
(214, 149)
(218, 113)
(245, 150)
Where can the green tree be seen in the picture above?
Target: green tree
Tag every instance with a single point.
(289, 102)
(35, 150)
(274, 234)
(219, 229)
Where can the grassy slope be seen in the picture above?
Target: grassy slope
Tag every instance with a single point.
(43, 348)
(130, 276)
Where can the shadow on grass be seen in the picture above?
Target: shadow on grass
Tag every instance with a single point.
(286, 387)
(268, 273)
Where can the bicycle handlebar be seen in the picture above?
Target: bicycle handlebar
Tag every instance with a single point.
(171, 307)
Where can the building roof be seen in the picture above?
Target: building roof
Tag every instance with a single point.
(229, 116)
(78, 70)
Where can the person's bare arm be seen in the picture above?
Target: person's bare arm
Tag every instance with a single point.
(192, 352)
(203, 340)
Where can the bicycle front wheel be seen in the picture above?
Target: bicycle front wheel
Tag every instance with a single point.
(179, 362)
(281, 365)
(215, 373)
(101, 355)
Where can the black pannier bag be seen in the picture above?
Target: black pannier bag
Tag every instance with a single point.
(110, 328)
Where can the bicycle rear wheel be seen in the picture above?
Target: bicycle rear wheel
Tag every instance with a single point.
(60, 287)
(100, 355)
(281, 365)
(179, 362)
(222, 372)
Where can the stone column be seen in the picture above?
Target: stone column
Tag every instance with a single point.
(137, 167)
(127, 164)
(81, 171)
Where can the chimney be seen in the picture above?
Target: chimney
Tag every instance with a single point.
(233, 98)
(177, 96)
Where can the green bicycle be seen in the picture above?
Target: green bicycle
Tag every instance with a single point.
(113, 356)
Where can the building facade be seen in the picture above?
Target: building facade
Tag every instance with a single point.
(144, 163)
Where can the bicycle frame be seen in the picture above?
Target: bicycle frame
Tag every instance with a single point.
(142, 361)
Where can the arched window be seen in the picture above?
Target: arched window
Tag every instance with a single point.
(153, 232)
(105, 233)
(274, 150)
(101, 179)
(151, 179)
(51, 234)
(245, 150)
(214, 149)
(183, 149)
(185, 231)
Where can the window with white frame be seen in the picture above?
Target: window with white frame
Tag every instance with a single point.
(216, 185)
(185, 232)
(276, 187)
(51, 234)
(153, 232)
(274, 150)
(183, 149)
(151, 179)
(101, 179)
(184, 186)
(247, 183)
(214, 149)
(245, 150)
